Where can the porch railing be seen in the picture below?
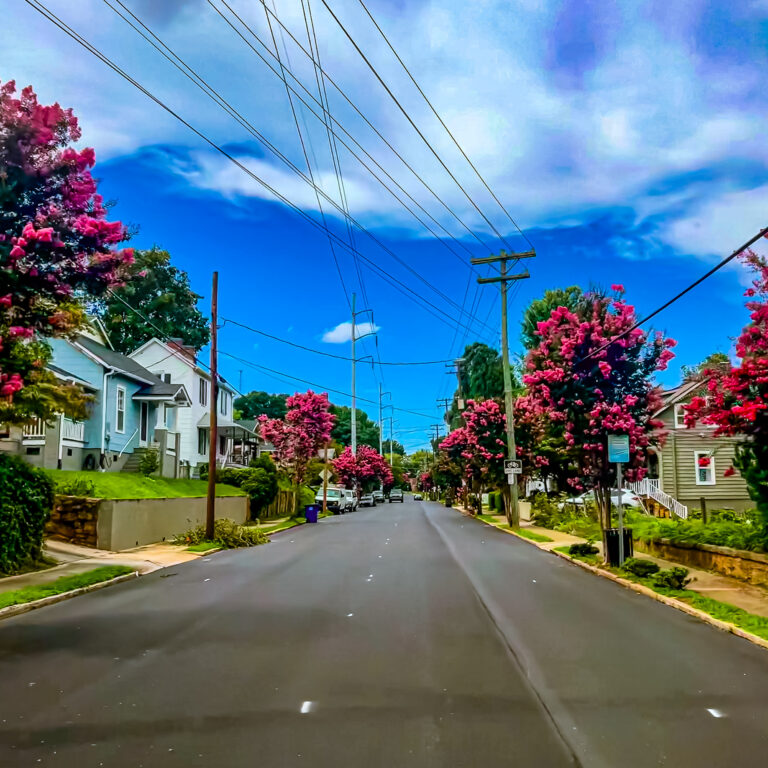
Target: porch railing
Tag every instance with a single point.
(35, 430)
(73, 430)
(651, 488)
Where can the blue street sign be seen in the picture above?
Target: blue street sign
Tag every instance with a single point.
(618, 449)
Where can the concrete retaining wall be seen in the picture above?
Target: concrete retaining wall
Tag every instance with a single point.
(751, 567)
(126, 523)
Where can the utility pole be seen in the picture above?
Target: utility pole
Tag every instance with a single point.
(213, 437)
(353, 420)
(240, 381)
(381, 423)
(511, 496)
(445, 402)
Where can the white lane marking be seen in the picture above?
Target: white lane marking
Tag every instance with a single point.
(534, 580)
(306, 707)
(349, 615)
(370, 575)
(715, 713)
(206, 579)
(379, 557)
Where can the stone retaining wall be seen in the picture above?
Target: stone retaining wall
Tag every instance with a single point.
(75, 519)
(751, 567)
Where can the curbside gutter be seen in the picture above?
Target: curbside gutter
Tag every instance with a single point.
(15, 610)
(725, 626)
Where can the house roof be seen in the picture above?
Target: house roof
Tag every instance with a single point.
(164, 392)
(111, 359)
(226, 427)
(191, 362)
(60, 373)
(680, 392)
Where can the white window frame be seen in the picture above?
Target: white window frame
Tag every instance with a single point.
(119, 391)
(679, 416)
(203, 391)
(204, 441)
(713, 474)
(224, 402)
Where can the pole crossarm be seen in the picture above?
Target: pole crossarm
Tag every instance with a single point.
(502, 278)
(503, 255)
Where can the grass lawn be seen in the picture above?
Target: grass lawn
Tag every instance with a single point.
(532, 535)
(62, 584)
(204, 546)
(129, 485)
(589, 559)
(293, 522)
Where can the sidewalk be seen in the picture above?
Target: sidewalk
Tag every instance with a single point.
(723, 588)
(74, 559)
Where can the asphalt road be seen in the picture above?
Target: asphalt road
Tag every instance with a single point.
(405, 635)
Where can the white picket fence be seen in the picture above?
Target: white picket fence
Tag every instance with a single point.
(651, 489)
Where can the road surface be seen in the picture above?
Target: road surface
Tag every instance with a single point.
(404, 635)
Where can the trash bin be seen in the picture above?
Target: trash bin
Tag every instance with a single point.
(310, 512)
(611, 542)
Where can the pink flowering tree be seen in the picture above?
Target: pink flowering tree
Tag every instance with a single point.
(736, 400)
(573, 403)
(58, 250)
(365, 470)
(297, 438)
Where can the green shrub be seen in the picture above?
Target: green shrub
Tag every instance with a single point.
(26, 500)
(149, 462)
(672, 578)
(544, 510)
(202, 470)
(226, 534)
(77, 486)
(583, 548)
(639, 567)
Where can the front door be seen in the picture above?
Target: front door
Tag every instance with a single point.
(144, 424)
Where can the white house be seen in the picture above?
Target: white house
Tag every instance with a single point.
(176, 363)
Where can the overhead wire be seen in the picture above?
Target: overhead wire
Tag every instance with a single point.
(48, 14)
(217, 98)
(442, 122)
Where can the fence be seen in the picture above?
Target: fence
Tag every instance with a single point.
(282, 506)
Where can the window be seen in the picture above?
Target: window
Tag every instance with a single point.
(222, 445)
(166, 378)
(680, 415)
(224, 403)
(704, 466)
(203, 392)
(202, 441)
(120, 416)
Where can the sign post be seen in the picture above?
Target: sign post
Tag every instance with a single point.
(618, 452)
(513, 468)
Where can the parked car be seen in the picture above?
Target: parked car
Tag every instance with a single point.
(367, 500)
(351, 497)
(628, 499)
(417, 497)
(378, 497)
(396, 495)
(335, 500)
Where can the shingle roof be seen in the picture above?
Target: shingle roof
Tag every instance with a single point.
(121, 362)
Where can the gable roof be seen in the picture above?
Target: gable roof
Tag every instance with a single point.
(111, 359)
(163, 392)
(680, 392)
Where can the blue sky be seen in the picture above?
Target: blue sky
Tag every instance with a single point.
(626, 138)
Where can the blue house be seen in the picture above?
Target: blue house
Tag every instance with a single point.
(132, 410)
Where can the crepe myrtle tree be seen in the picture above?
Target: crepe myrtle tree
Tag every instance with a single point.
(364, 470)
(736, 400)
(297, 438)
(576, 402)
(58, 250)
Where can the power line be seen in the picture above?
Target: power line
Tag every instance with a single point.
(762, 233)
(447, 129)
(320, 352)
(346, 98)
(413, 124)
(315, 384)
(46, 13)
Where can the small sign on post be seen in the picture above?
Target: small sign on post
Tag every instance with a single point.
(618, 453)
(513, 467)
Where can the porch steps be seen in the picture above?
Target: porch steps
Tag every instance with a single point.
(659, 503)
(133, 461)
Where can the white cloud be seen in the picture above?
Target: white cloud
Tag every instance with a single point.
(342, 333)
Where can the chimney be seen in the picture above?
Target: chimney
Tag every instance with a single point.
(184, 349)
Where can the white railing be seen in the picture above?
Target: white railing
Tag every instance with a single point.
(35, 430)
(73, 430)
(651, 488)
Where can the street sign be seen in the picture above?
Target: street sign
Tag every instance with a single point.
(618, 449)
(326, 474)
(513, 467)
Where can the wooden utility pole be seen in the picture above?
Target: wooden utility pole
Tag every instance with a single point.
(511, 493)
(213, 437)
(325, 480)
(353, 420)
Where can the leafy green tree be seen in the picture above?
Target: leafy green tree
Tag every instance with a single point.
(540, 310)
(257, 403)
(163, 294)
(367, 430)
(393, 447)
(717, 361)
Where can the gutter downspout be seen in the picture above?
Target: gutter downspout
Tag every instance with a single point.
(102, 457)
(61, 441)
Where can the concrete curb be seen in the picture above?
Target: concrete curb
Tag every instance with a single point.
(208, 552)
(15, 610)
(725, 626)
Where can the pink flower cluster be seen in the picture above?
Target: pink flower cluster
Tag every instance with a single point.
(356, 470)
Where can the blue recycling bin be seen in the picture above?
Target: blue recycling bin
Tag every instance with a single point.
(310, 512)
